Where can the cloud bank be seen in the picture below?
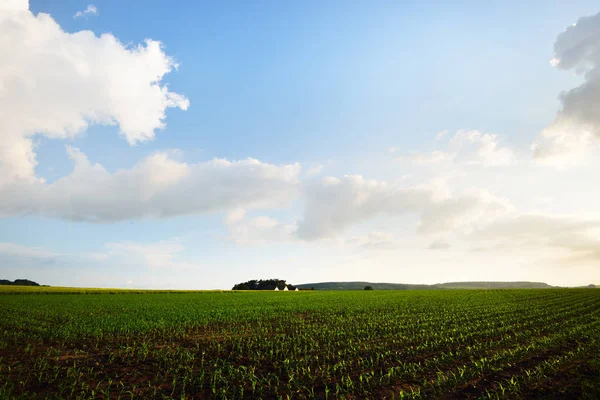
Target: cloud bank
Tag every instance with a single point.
(579, 238)
(335, 204)
(158, 186)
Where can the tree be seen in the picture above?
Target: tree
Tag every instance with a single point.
(368, 287)
(241, 286)
(19, 282)
(263, 284)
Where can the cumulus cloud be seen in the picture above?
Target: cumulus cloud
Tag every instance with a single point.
(335, 204)
(577, 124)
(90, 10)
(54, 83)
(14, 5)
(565, 143)
(158, 186)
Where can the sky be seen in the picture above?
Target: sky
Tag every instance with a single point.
(198, 144)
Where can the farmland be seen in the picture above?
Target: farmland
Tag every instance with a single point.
(537, 343)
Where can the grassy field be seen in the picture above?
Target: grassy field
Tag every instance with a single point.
(540, 343)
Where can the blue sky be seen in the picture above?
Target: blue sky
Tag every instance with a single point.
(319, 94)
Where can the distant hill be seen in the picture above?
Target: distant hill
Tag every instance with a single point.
(19, 282)
(407, 286)
(494, 285)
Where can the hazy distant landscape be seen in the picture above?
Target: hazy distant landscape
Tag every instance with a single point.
(362, 285)
(405, 286)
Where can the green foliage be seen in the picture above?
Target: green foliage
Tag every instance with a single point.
(263, 284)
(19, 282)
(392, 344)
(368, 287)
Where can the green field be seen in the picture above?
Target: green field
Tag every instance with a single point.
(538, 343)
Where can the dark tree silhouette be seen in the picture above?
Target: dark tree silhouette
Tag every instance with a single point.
(19, 282)
(263, 284)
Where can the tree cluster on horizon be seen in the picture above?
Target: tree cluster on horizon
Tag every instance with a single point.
(19, 282)
(263, 284)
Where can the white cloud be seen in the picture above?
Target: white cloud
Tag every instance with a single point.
(565, 143)
(54, 83)
(334, 204)
(90, 10)
(473, 209)
(577, 124)
(14, 5)
(487, 150)
(464, 213)
(156, 187)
